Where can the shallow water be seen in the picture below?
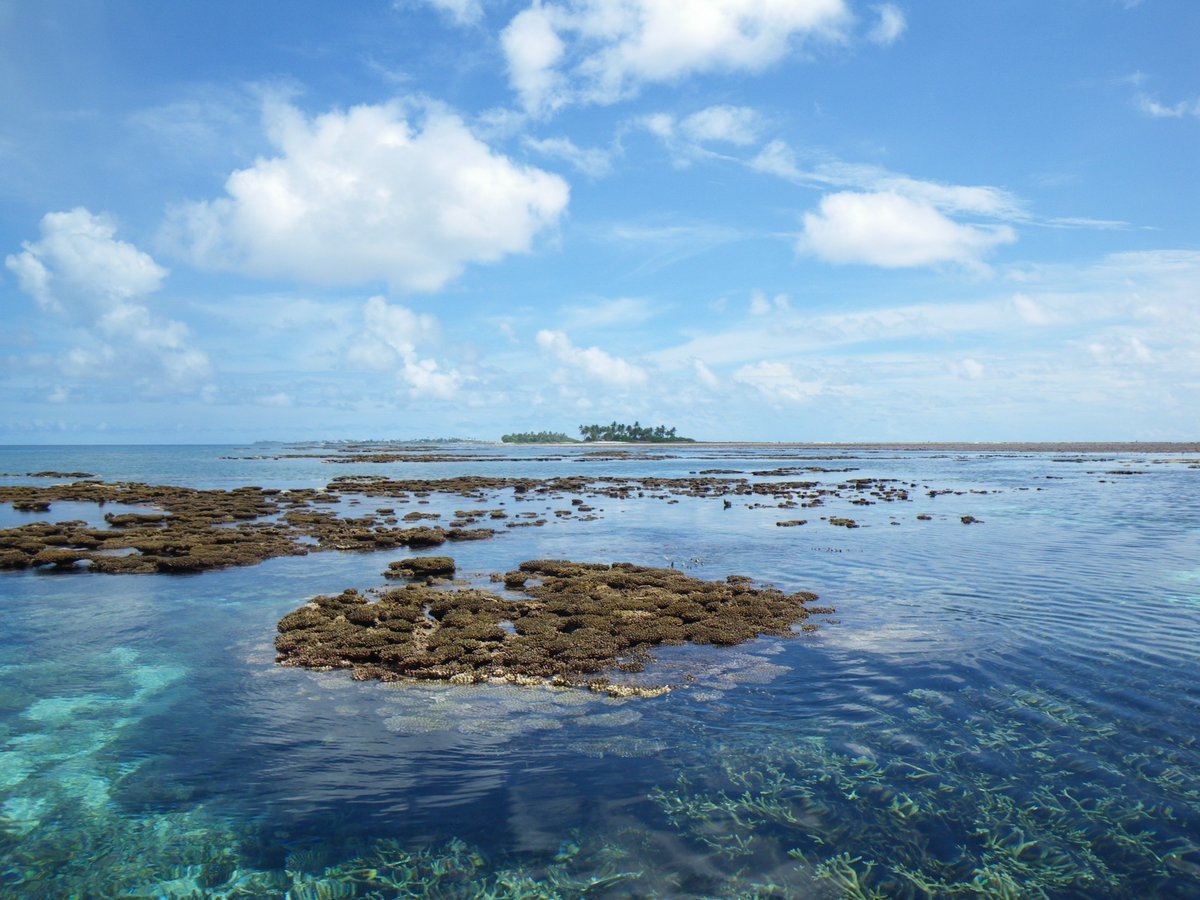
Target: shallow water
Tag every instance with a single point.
(1003, 708)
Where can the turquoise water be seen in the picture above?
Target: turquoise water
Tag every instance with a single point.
(1008, 708)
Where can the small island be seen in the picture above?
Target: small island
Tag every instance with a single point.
(538, 437)
(614, 431)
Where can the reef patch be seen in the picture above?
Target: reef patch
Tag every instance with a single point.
(568, 622)
(184, 530)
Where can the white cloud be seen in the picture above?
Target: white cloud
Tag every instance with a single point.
(593, 162)
(889, 230)
(1084, 222)
(705, 375)
(78, 263)
(1031, 312)
(79, 271)
(1151, 107)
(389, 342)
(1124, 350)
(737, 125)
(661, 125)
(427, 380)
(461, 12)
(620, 312)
(691, 138)
(592, 362)
(777, 382)
(391, 332)
(761, 304)
(889, 27)
(668, 244)
(779, 159)
(601, 51)
(364, 195)
(533, 49)
(968, 369)
(1118, 348)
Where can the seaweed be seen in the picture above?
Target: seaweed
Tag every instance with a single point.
(866, 817)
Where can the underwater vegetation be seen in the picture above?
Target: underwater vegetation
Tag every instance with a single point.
(67, 830)
(573, 620)
(926, 805)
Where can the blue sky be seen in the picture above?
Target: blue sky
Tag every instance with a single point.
(749, 219)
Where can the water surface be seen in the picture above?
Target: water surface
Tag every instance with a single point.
(1007, 708)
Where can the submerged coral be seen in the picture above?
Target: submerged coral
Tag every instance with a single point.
(574, 621)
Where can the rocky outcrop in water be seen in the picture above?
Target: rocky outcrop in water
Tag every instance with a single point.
(570, 622)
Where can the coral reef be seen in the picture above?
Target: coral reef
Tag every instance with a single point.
(187, 530)
(421, 567)
(573, 621)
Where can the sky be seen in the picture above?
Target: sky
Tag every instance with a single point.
(775, 220)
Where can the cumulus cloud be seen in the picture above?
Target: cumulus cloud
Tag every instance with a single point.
(533, 49)
(893, 231)
(389, 342)
(598, 51)
(78, 263)
(592, 362)
(365, 195)
(777, 382)
(80, 272)
(889, 26)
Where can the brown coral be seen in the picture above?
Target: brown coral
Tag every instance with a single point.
(574, 621)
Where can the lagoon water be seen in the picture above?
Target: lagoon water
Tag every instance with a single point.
(1007, 708)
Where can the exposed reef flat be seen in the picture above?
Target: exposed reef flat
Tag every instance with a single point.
(569, 622)
(188, 530)
(620, 487)
(47, 474)
(986, 447)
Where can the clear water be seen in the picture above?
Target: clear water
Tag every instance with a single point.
(1002, 709)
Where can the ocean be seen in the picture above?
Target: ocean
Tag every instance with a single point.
(1000, 707)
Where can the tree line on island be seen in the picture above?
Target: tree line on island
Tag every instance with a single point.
(615, 431)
